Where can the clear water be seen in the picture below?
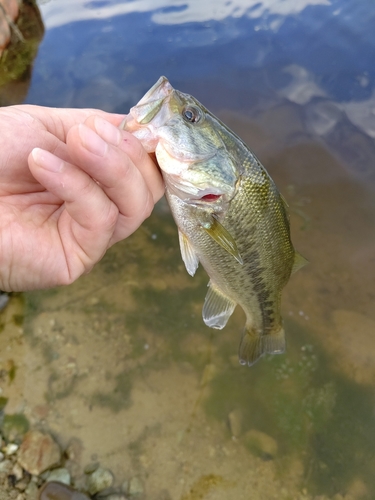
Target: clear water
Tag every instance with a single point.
(121, 359)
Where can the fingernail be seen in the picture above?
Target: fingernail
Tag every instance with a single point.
(47, 160)
(92, 141)
(107, 131)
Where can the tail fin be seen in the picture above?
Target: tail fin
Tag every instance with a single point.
(253, 345)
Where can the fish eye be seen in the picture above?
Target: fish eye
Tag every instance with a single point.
(192, 114)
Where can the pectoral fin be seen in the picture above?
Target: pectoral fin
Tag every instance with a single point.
(217, 308)
(188, 254)
(218, 233)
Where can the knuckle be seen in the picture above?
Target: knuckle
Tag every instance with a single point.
(149, 205)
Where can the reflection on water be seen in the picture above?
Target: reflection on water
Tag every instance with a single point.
(122, 360)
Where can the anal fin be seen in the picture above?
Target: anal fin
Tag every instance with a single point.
(299, 261)
(217, 308)
(253, 345)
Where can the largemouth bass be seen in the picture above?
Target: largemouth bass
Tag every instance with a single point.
(230, 216)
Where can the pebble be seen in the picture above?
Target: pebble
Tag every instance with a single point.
(235, 422)
(38, 452)
(99, 480)
(6, 466)
(10, 449)
(23, 483)
(90, 468)
(17, 472)
(61, 475)
(57, 491)
(31, 492)
(261, 444)
(135, 486)
(74, 450)
(4, 299)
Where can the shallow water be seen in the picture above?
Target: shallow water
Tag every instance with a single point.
(121, 359)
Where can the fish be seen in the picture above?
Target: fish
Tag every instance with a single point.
(230, 215)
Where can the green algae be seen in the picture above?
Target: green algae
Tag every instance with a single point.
(310, 410)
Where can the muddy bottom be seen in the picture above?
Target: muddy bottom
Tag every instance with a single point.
(122, 361)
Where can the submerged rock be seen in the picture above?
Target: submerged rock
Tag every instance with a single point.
(38, 452)
(261, 444)
(60, 475)
(58, 491)
(31, 492)
(235, 422)
(99, 480)
(4, 297)
(135, 486)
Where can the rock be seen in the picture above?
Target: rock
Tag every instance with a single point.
(99, 480)
(135, 486)
(61, 475)
(73, 455)
(38, 452)
(24, 482)
(74, 450)
(4, 298)
(235, 422)
(90, 468)
(31, 492)
(125, 486)
(261, 444)
(17, 472)
(58, 491)
(357, 490)
(10, 449)
(6, 466)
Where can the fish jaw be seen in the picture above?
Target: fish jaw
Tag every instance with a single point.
(149, 114)
(195, 168)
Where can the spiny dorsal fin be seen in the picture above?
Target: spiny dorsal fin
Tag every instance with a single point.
(188, 254)
(217, 308)
(218, 233)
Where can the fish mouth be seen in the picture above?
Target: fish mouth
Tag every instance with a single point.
(151, 103)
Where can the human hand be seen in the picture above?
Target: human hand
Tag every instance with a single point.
(71, 185)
